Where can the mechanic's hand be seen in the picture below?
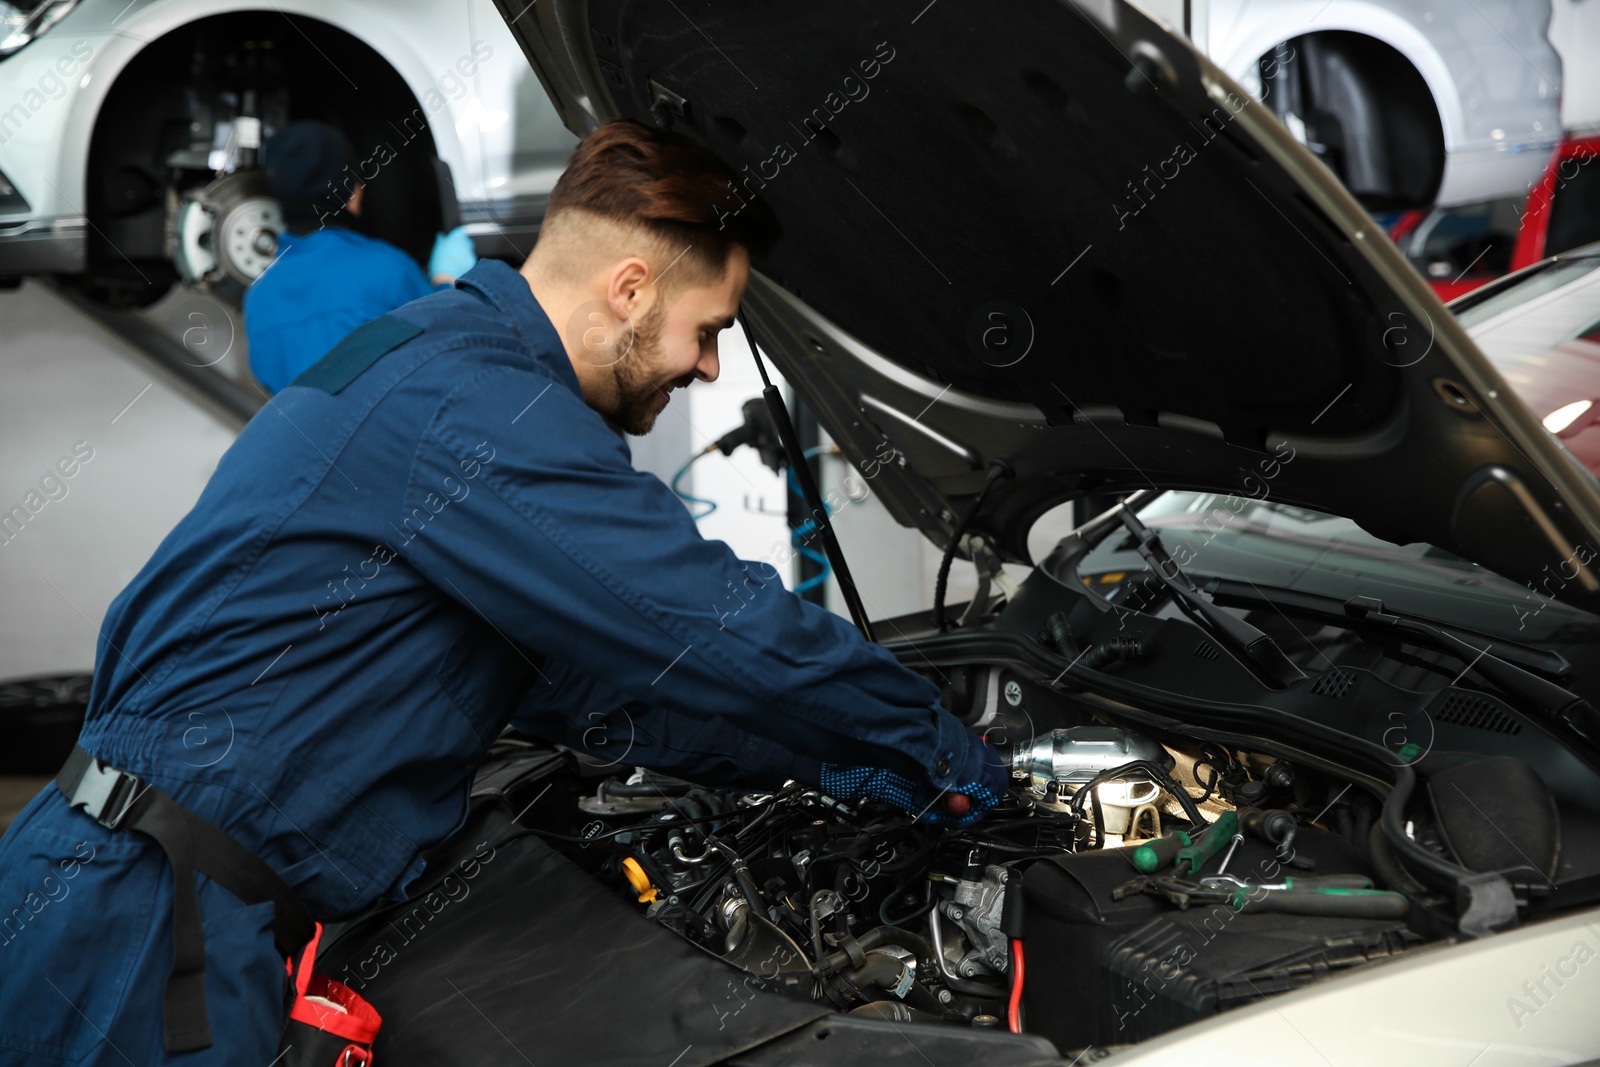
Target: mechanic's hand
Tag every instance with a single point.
(982, 780)
(453, 255)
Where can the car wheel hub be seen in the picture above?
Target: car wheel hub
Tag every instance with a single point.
(226, 231)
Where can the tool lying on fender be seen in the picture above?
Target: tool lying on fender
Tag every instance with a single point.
(1149, 859)
(1349, 896)
(1188, 853)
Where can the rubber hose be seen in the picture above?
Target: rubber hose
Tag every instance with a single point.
(692, 809)
(886, 972)
(899, 938)
(1123, 647)
(1390, 873)
(967, 987)
(895, 1012)
(879, 935)
(1394, 829)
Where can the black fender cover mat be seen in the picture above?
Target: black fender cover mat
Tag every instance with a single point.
(510, 953)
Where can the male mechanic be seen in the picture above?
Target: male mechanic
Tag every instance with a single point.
(328, 278)
(432, 533)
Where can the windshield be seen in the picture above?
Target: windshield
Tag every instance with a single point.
(1277, 546)
(1542, 333)
(1522, 290)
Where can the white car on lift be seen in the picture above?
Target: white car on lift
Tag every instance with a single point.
(128, 132)
(1409, 102)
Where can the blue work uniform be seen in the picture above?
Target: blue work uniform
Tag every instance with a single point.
(426, 537)
(322, 285)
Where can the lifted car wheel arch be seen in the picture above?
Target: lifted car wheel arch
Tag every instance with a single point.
(1365, 110)
(156, 127)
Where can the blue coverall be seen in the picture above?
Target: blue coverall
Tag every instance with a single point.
(427, 536)
(321, 286)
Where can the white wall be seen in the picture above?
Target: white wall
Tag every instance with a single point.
(749, 497)
(67, 380)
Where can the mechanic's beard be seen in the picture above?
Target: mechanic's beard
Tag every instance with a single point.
(638, 393)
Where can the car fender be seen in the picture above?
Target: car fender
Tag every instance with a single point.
(1266, 27)
(67, 141)
(44, 156)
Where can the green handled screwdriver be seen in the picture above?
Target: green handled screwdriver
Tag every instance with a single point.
(1149, 859)
(1325, 901)
(1207, 843)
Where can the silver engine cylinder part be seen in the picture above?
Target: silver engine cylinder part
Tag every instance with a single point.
(1069, 758)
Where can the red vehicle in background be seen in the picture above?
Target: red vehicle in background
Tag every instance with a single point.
(1459, 248)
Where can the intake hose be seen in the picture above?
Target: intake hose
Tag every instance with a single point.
(693, 813)
(969, 988)
(887, 972)
(1119, 648)
(895, 1012)
(873, 938)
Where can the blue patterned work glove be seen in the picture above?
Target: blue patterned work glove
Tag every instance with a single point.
(982, 780)
(453, 255)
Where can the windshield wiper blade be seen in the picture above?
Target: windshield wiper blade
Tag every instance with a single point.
(1559, 706)
(1543, 661)
(1554, 703)
(1261, 653)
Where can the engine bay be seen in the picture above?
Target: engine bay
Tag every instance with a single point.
(859, 907)
(1194, 823)
(1134, 880)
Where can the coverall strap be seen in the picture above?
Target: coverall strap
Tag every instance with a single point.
(120, 801)
(184, 1024)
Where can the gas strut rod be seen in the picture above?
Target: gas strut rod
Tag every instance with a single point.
(808, 487)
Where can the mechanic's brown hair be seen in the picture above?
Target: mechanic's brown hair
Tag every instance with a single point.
(673, 188)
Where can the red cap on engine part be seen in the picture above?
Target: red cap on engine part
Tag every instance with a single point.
(957, 804)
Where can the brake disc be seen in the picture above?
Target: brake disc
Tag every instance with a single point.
(224, 234)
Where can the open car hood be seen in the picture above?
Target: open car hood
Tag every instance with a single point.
(1051, 233)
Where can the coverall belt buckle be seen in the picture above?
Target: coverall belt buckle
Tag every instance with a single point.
(105, 794)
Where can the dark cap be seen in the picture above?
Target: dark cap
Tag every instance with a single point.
(305, 164)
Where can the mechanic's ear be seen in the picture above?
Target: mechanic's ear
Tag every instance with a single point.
(626, 293)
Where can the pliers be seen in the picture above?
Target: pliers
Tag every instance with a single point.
(1347, 896)
(1338, 896)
